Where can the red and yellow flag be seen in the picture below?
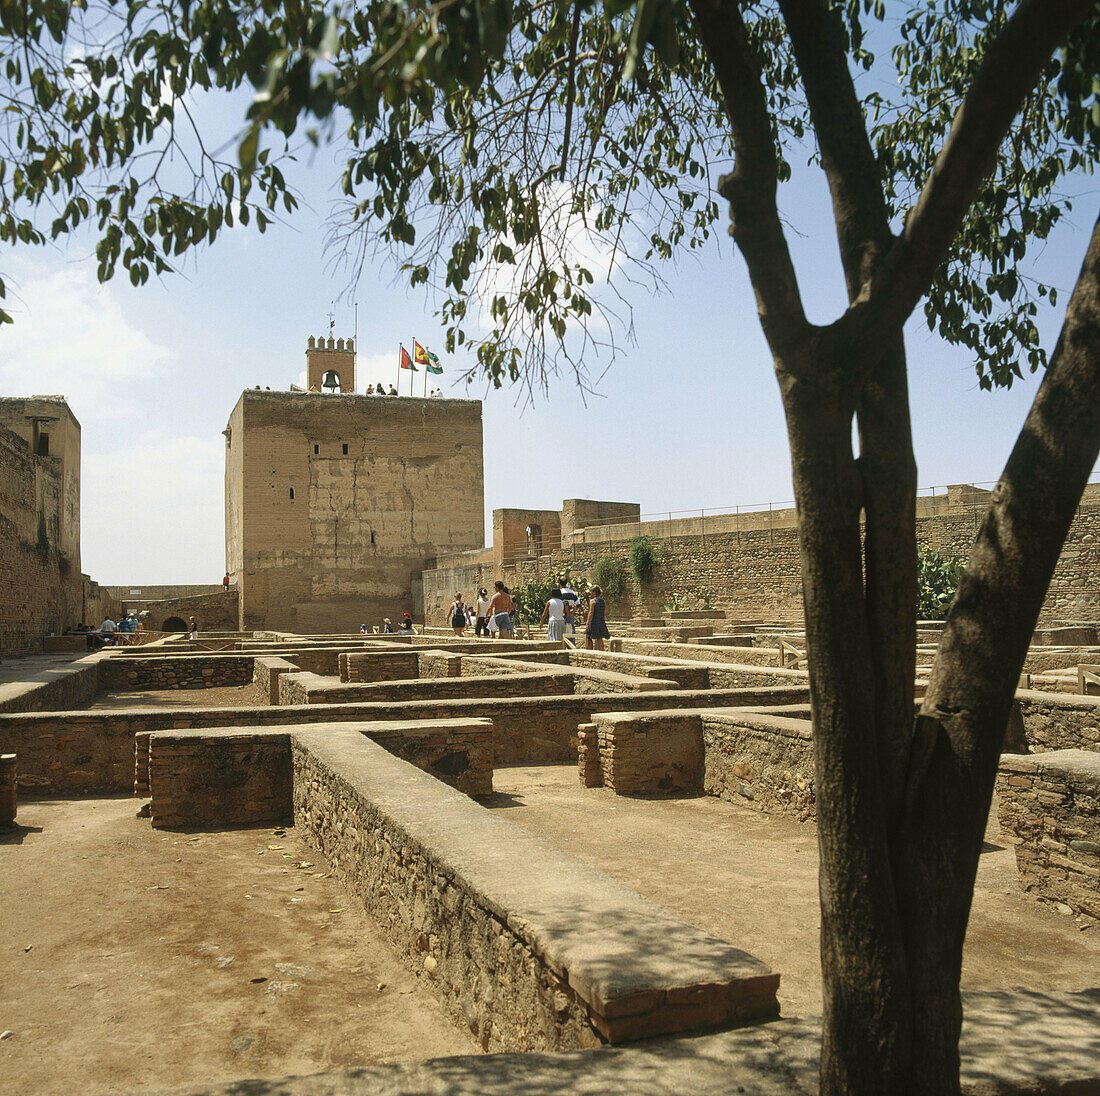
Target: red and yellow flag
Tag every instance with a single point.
(420, 355)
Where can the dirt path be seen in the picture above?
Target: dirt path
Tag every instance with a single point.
(134, 959)
(223, 696)
(751, 878)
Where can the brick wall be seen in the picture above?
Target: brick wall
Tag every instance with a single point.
(1055, 721)
(1048, 811)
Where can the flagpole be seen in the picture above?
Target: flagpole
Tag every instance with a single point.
(400, 347)
(425, 378)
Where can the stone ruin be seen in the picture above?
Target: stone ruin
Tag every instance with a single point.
(378, 750)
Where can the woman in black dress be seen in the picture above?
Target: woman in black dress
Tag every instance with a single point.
(458, 615)
(595, 627)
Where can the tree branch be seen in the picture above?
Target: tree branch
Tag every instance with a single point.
(751, 187)
(1008, 73)
(862, 223)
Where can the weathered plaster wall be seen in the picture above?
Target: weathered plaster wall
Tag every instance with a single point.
(379, 485)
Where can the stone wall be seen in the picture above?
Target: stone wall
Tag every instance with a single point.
(1050, 811)
(756, 570)
(56, 689)
(1056, 721)
(216, 612)
(556, 957)
(332, 502)
(304, 688)
(637, 754)
(241, 776)
(40, 584)
(218, 778)
(192, 671)
(75, 752)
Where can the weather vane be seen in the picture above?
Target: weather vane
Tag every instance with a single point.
(331, 320)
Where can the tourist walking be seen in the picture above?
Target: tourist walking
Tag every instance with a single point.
(458, 615)
(553, 616)
(572, 600)
(481, 624)
(595, 628)
(500, 611)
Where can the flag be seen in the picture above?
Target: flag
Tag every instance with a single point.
(406, 361)
(427, 359)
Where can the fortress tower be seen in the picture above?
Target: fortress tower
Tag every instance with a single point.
(331, 504)
(330, 367)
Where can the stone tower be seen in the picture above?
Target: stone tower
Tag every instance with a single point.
(330, 365)
(333, 505)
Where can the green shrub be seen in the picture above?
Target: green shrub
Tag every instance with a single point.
(531, 597)
(643, 559)
(937, 580)
(675, 603)
(609, 575)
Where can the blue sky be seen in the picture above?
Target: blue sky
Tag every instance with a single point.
(686, 416)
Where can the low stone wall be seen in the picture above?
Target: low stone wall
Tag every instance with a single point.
(1059, 721)
(191, 671)
(554, 957)
(1041, 659)
(1048, 808)
(9, 789)
(363, 666)
(312, 689)
(67, 753)
(764, 759)
(640, 754)
(60, 688)
(266, 671)
(237, 776)
(241, 776)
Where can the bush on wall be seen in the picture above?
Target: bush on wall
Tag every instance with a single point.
(937, 580)
(609, 574)
(643, 559)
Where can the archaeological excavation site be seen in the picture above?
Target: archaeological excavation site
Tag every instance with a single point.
(271, 842)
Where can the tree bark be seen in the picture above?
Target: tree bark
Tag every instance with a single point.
(962, 721)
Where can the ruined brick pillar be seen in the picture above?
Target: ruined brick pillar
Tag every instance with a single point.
(7, 789)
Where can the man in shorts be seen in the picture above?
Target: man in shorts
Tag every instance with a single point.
(500, 608)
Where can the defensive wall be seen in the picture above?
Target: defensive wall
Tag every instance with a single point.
(334, 501)
(748, 563)
(41, 590)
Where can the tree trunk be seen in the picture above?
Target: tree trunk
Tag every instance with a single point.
(866, 1023)
(964, 714)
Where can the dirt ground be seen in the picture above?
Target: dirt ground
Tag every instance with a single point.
(134, 959)
(225, 696)
(751, 879)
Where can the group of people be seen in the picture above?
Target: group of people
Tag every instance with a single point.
(495, 616)
(559, 614)
(490, 617)
(380, 390)
(111, 632)
(404, 625)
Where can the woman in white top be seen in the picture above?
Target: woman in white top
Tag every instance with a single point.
(481, 627)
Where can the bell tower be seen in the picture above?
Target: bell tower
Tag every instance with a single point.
(330, 365)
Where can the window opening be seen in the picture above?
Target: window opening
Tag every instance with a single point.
(43, 444)
(316, 450)
(345, 449)
(292, 494)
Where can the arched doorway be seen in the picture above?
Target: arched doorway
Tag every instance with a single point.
(174, 624)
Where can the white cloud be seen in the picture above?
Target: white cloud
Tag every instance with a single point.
(71, 338)
(159, 519)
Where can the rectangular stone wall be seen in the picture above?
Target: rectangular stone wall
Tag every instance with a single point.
(560, 958)
(366, 666)
(1048, 808)
(640, 754)
(67, 753)
(216, 778)
(757, 570)
(181, 672)
(266, 671)
(57, 689)
(311, 689)
(1056, 721)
